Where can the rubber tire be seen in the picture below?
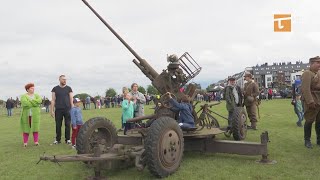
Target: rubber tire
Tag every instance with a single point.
(237, 125)
(83, 138)
(157, 129)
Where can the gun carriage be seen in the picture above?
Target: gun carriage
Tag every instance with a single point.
(160, 144)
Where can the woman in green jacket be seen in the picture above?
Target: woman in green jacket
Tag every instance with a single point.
(30, 115)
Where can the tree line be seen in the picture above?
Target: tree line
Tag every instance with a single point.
(111, 92)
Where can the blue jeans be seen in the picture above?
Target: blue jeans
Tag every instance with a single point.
(300, 117)
(47, 108)
(9, 111)
(127, 126)
(186, 125)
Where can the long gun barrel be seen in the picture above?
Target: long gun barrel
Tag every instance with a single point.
(142, 64)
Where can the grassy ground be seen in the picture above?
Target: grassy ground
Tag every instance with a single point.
(277, 116)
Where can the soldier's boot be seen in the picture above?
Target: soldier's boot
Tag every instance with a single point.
(307, 134)
(249, 126)
(253, 126)
(317, 127)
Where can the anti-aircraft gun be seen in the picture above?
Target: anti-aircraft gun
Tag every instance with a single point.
(178, 73)
(161, 143)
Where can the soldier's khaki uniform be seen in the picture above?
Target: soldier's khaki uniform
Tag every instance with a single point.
(251, 91)
(311, 93)
(310, 89)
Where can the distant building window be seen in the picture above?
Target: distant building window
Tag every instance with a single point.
(262, 69)
(267, 68)
(273, 68)
(308, 66)
(286, 67)
(298, 66)
(257, 72)
(280, 67)
(269, 79)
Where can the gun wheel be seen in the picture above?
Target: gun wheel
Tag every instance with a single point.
(164, 147)
(97, 131)
(239, 124)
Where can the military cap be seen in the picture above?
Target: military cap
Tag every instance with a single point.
(314, 59)
(247, 74)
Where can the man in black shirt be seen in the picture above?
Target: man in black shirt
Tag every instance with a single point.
(62, 101)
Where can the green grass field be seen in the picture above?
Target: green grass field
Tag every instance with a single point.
(277, 116)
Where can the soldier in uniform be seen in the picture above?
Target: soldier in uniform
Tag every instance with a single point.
(250, 92)
(310, 89)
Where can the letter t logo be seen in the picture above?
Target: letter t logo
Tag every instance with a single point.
(282, 23)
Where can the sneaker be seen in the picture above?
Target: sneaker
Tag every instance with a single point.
(73, 146)
(307, 144)
(56, 142)
(36, 144)
(25, 145)
(68, 142)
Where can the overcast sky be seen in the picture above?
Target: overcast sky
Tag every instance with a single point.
(39, 40)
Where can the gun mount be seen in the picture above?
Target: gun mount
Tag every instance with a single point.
(178, 73)
(160, 143)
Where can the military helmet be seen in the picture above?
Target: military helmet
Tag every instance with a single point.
(173, 58)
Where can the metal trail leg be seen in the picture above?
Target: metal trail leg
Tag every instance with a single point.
(264, 140)
(97, 165)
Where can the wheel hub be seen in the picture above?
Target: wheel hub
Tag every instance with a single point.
(243, 124)
(170, 148)
(101, 137)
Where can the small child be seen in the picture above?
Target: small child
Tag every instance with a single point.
(186, 119)
(76, 120)
(298, 109)
(125, 91)
(127, 112)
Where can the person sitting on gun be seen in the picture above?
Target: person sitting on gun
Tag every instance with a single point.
(186, 119)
